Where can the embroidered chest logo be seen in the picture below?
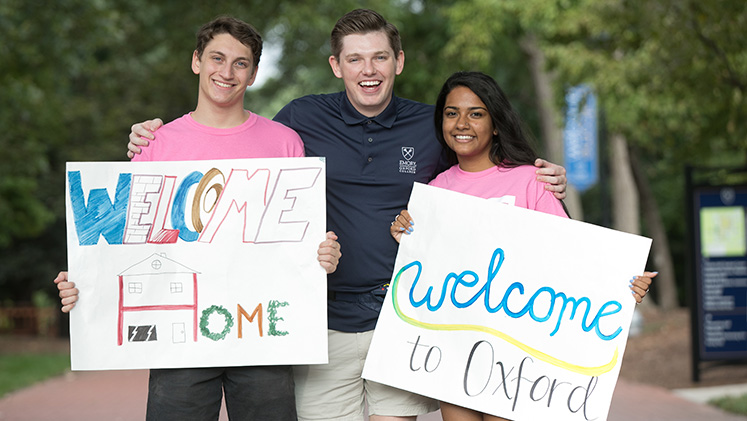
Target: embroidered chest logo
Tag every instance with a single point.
(407, 165)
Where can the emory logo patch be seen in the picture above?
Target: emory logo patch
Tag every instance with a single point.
(408, 166)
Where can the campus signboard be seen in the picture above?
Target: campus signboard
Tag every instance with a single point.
(508, 311)
(196, 263)
(719, 262)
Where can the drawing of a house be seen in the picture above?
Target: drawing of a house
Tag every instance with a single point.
(157, 295)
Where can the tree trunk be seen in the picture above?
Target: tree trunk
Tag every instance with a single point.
(625, 209)
(551, 130)
(664, 284)
(625, 196)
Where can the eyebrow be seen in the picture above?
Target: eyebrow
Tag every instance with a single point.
(224, 55)
(377, 53)
(470, 108)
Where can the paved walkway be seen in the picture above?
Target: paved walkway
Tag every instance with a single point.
(121, 395)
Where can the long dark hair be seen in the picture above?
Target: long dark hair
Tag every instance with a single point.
(512, 145)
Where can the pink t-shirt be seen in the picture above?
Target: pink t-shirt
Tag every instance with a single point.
(184, 139)
(516, 186)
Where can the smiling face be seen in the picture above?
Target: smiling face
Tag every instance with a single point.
(368, 65)
(468, 129)
(226, 69)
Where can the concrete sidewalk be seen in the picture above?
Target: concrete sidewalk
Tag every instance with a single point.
(121, 395)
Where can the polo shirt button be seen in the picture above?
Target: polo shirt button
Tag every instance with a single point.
(370, 159)
(369, 122)
(370, 139)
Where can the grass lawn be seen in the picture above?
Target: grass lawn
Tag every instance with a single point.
(21, 370)
(734, 404)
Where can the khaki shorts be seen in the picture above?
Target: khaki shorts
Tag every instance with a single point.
(336, 391)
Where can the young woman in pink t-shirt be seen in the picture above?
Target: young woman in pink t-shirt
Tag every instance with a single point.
(493, 159)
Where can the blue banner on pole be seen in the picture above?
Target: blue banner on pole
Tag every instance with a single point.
(580, 137)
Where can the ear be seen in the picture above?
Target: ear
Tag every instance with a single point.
(400, 62)
(195, 63)
(253, 78)
(335, 65)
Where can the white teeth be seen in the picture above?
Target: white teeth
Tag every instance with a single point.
(463, 137)
(223, 85)
(370, 83)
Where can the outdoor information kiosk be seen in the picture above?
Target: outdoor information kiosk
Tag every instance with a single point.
(718, 264)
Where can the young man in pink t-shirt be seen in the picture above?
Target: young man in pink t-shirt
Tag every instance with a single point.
(226, 59)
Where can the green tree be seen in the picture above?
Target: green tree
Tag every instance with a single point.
(670, 76)
(55, 64)
(73, 78)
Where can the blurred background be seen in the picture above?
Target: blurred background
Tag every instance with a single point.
(668, 78)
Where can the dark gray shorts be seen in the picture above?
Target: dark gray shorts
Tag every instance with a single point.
(252, 393)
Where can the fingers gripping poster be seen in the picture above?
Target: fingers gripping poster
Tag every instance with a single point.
(507, 311)
(197, 263)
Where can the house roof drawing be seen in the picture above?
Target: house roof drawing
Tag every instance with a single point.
(156, 264)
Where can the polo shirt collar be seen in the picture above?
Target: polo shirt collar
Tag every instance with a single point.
(351, 116)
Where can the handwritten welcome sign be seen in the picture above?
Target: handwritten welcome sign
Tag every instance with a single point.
(507, 311)
(197, 263)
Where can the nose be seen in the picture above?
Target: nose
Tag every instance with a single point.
(226, 71)
(368, 68)
(462, 122)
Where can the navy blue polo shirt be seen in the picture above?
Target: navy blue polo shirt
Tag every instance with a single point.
(371, 166)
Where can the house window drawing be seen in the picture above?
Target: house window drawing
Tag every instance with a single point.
(161, 294)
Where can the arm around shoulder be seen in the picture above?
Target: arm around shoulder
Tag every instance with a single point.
(141, 134)
(552, 174)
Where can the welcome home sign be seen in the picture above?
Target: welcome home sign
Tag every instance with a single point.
(197, 263)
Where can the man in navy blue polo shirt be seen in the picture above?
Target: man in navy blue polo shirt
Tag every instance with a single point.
(376, 146)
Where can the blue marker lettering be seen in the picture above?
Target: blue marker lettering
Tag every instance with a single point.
(100, 217)
(469, 279)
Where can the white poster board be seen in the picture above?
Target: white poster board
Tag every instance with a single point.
(483, 294)
(197, 263)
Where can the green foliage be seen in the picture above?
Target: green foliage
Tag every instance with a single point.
(41, 300)
(733, 404)
(73, 79)
(670, 75)
(60, 82)
(21, 370)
